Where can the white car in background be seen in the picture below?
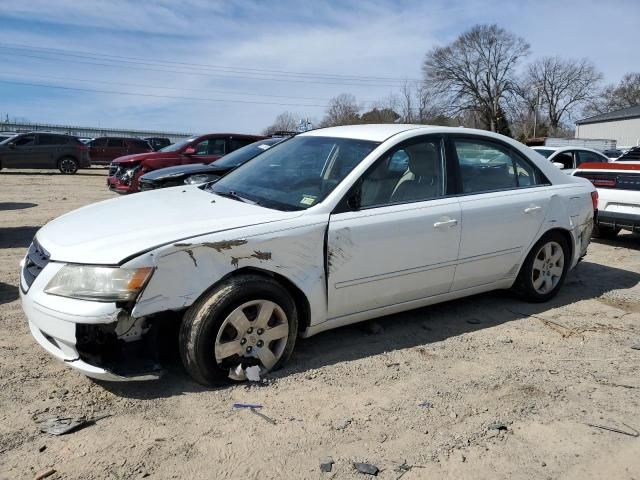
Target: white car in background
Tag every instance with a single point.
(618, 185)
(569, 158)
(331, 227)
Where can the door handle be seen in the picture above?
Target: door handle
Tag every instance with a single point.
(532, 209)
(452, 222)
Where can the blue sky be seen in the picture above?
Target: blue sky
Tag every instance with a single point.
(125, 46)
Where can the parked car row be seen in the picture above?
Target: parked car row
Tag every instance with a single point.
(324, 229)
(125, 172)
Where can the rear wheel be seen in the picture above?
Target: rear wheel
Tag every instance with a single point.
(544, 269)
(246, 321)
(600, 231)
(68, 165)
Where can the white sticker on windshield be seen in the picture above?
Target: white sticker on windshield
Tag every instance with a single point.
(263, 146)
(308, 199)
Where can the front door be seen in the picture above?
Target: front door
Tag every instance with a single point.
(21, 153)
(504, 200)
(401, 244)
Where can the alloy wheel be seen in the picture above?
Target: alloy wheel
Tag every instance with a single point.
(68, 166)
(256, 330)
(548, 267)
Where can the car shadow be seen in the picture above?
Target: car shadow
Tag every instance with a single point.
(4, 206)
(8, 293)
(416, 328)
(16, 237)
(622, 240)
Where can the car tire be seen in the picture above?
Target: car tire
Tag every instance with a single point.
(544, 270)
(604, 232)
(68, 165)
(224, 328)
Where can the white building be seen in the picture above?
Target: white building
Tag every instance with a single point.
(620, 125)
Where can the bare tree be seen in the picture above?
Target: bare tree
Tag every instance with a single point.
(475, 72)
(565, 86)
(342, 110)
(285, 122)
(615, 97)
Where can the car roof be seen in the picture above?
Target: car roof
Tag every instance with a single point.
(372, 132)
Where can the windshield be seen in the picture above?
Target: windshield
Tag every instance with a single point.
(295, 174)
(545, 153)
(178, 145)
(6, 139)
(244, 154)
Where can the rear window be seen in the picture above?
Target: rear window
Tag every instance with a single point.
(139, 144)
(115, 142)
(544, 152)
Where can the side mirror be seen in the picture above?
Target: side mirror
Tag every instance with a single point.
(559, 165)
(189, 151)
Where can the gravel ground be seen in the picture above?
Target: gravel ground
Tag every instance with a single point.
(482, 387)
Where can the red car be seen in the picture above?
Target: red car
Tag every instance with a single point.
(124, 172)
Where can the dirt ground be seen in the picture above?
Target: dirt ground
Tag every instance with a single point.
(486, 387)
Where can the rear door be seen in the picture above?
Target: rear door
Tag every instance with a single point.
(97, 151)
(47, 150)
(115, 148)
(504, 199)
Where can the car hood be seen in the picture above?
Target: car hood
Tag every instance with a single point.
(138, 157)
(108, 232)
(180, 170)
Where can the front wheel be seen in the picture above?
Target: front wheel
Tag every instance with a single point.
(544, 269)
(68, 165)
(246, 321)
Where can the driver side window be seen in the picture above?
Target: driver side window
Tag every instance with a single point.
(412, 173)
(25, 141)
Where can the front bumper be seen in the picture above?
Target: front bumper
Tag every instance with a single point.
(55, 328)
(115, 185)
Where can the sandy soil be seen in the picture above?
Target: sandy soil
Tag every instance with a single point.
(484, 387)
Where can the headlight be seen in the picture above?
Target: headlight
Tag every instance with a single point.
(104, 284)
(200, 178)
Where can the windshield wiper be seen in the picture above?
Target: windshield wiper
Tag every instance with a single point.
(233, 195)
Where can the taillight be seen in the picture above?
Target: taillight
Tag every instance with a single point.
(604, 182)
(594, 200)
(82, 148)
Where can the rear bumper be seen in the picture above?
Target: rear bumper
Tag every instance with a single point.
(627, 221)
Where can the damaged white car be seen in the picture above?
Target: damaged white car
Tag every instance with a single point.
(328, 228)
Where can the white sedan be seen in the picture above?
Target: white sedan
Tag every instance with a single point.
(331, 227)
(569, 158)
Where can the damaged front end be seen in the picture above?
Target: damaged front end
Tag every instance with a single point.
(130, 348)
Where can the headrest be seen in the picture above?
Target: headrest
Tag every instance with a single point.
(423, 159)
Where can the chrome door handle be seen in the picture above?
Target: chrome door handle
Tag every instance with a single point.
(446, 223)
(532, 209)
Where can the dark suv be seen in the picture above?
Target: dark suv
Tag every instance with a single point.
(104, 149)
(44, 150)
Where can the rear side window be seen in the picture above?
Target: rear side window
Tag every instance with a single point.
(99, 142)
(216, 146)
(115, 142)
(486, 166)
(44, 139)
(586, 157)
(236, 143)
(140, 144)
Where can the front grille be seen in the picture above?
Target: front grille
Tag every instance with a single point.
(37, 259)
